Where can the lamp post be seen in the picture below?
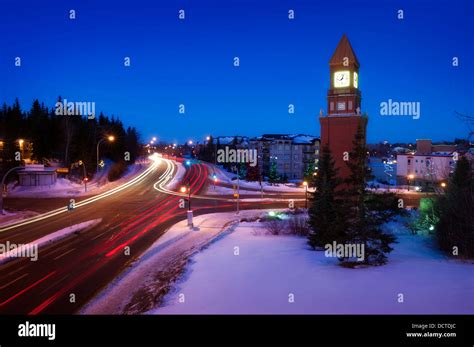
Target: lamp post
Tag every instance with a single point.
(190, 212)
(110, 139)
(3, 184)
(305, 184)
(85, 179)
(410, 178)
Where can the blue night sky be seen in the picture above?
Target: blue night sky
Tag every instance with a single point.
(282, 61)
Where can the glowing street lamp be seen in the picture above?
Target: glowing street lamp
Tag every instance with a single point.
(21, 142)
(109, 138)
(443, 184)
(410, 178)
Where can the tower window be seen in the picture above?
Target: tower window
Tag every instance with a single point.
(350, 105)
(341, 106)
(331, 106)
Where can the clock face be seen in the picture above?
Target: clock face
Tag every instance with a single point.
(356, 80)
(341, 79)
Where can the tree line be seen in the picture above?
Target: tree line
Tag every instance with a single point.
(64, 138)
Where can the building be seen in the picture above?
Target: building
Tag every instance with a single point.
(339, 126)
(427, 165)
(37, 175)
(292, 154)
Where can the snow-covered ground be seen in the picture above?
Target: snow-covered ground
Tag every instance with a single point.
(13, 217)
(180, 172)
(179, 242)
(271, 270)
(56, 236)
(66, 188)
(230, 178)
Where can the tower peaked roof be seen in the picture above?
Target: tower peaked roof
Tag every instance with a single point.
(344, 49)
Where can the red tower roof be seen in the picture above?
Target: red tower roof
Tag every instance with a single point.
(344, 49)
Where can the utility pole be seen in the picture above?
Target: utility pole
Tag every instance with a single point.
(238, 192)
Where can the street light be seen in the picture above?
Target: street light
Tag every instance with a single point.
(20, 143)
(410, 178)
(443, 184)
(305, 184)
(190, 212)
(85, 179)
(109, 138)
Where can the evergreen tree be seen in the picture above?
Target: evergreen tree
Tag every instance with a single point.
(456, 225)
(366, 211)
(273, 176)
(242, 170)
(64, 137)
(308, 174)
(326, 214)
(253, 173)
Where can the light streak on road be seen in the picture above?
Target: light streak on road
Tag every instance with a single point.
(155, 163)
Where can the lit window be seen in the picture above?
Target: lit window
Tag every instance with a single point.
(341, 106)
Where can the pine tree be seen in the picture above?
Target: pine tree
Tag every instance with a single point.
(456, 225)
(242, 170)
(308, 174)
(326, 214)
(253, 172)
(273, 176)
(367, 211)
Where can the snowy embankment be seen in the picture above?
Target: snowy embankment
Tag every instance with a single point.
(178, 176)
(138, 288)
(230, 178)
(66, 188)
(56, 236)
(13, 217)
(281, 274)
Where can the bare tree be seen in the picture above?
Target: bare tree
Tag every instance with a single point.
(468, 119)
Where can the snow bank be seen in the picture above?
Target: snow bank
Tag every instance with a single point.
(231, 178)
(177, 177)
(13, 217)
(179, 240)
(269, 270)
(66, 188)
(56, 236)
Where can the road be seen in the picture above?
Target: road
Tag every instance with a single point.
(70, 271)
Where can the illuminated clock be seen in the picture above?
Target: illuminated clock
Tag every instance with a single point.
(341, 79)
(356, 80)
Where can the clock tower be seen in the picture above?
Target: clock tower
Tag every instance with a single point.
(339, 126)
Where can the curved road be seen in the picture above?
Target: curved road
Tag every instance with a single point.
(70, 271)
